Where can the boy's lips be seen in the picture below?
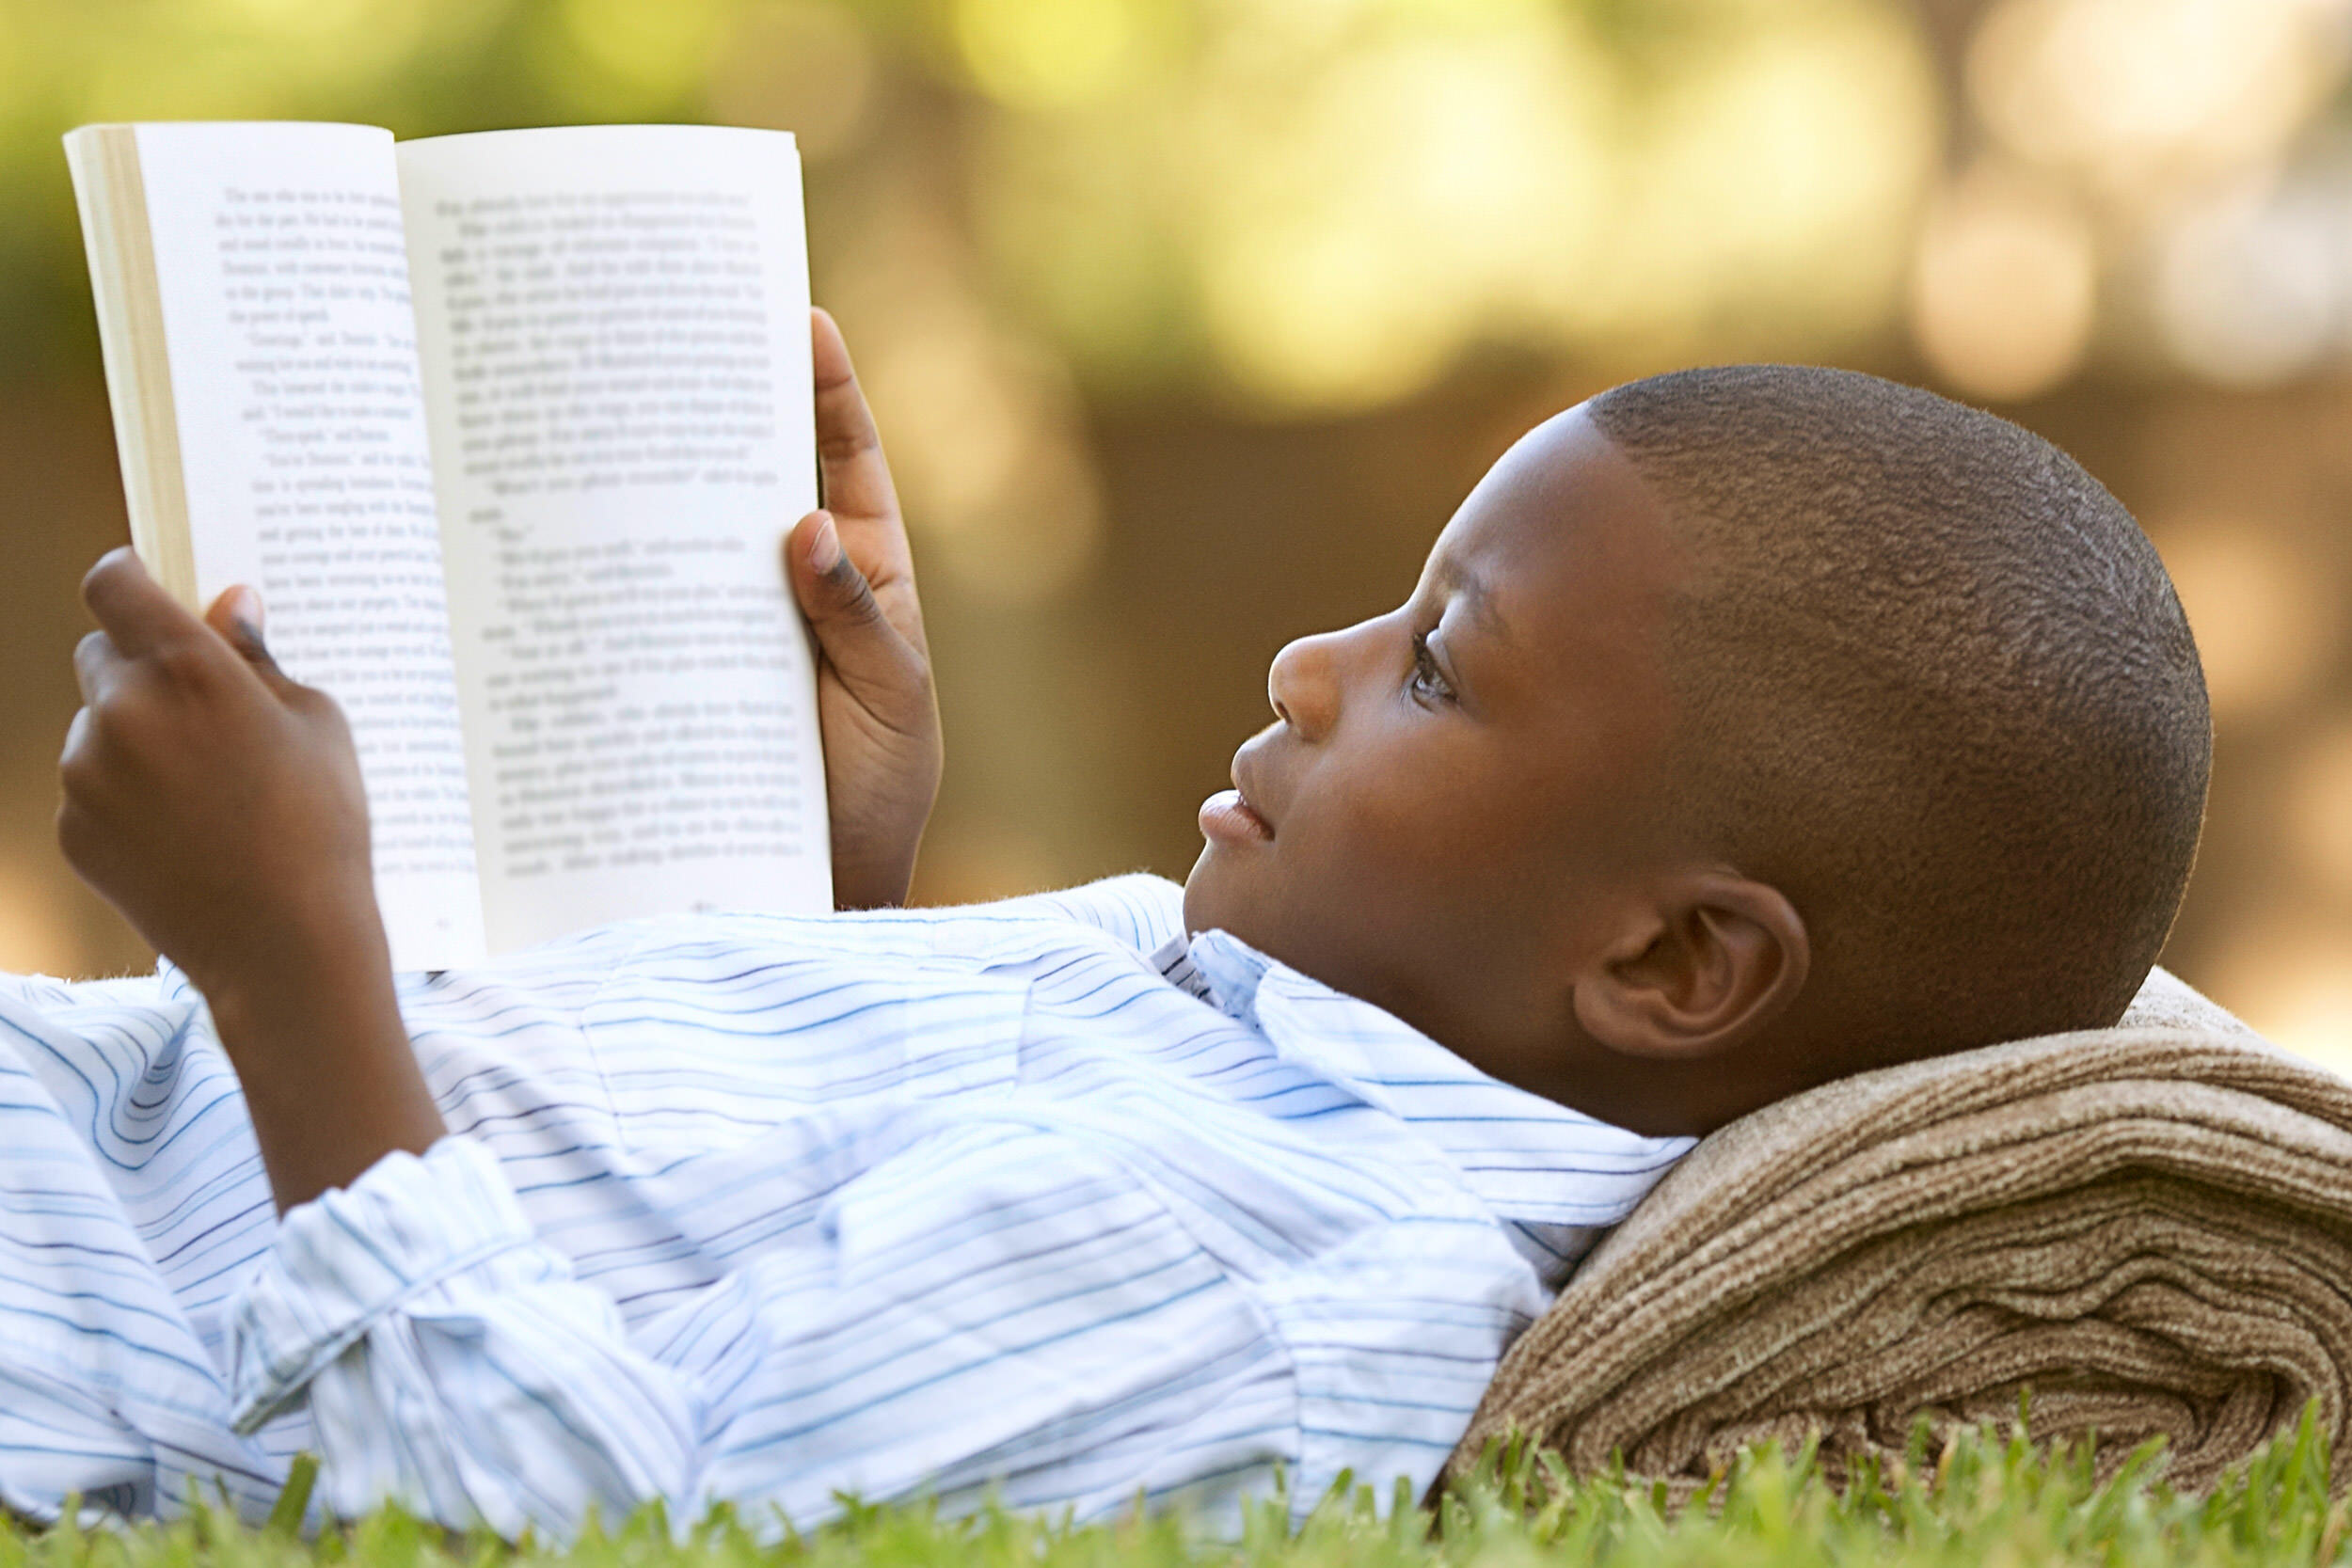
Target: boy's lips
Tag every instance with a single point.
(1226, 818)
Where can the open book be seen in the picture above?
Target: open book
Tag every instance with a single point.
(506, 429)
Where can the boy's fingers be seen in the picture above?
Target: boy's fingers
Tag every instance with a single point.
(76, 735)
(95, 661)
(139, 619)
(132, 606)
(849, 448)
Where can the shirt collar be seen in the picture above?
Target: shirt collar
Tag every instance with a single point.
(1555, 1174)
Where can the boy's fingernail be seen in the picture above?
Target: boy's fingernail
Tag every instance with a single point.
(824, 550)
(246, 610)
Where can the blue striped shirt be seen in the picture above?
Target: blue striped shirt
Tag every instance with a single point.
(1037, 1198)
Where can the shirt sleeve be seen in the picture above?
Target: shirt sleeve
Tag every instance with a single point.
(59, 1441)
(449, 1360)
(996, 1306)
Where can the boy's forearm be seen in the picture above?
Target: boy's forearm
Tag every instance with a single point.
(219, 805)
(330, 1081)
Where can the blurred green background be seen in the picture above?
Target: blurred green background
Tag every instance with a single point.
(1189, 321)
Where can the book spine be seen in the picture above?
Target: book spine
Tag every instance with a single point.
(111, 195)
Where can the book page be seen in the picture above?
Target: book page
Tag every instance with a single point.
(615, 328)
(284, 287)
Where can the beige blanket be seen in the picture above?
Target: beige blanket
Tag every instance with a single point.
(2150, 1227)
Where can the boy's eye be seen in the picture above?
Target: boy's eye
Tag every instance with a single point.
(1429, 684)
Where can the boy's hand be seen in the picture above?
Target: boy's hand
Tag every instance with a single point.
(219, 805)
(851, 569)
(213, 801)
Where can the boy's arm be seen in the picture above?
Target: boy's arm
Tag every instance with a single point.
(855, 577)
(219, 805)
(989, 1300)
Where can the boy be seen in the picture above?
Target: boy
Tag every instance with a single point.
(1747, 727)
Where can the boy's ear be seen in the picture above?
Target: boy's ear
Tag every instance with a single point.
(1707, 967)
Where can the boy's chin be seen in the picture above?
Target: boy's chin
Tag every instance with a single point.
(1197, 894)
(1212, 902)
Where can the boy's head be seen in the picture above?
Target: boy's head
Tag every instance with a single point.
(1748, 727)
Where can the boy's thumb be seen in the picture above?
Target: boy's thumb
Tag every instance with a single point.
(840, 604)
(237, 616)
(835, 596)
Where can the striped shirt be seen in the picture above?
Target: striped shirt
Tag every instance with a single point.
(1036, 1199)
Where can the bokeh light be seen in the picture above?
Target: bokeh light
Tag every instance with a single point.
(2319, 810)
(1050, 54)
(2292, 976)
(2266, 626)
(36, 932)
(2149, 96)
(808, 68)
(655, 48)
(2249, 289)
(1328, 205)
(2006, 285)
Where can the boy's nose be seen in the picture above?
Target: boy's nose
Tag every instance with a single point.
(1299, 683)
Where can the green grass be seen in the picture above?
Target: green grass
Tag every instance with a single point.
(1984, 1500)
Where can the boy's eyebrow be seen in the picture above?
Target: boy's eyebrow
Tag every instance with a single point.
(1478, 597)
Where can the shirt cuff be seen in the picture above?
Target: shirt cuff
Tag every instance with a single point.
(349, 1256)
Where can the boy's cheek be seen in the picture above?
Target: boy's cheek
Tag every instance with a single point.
(1423, 843)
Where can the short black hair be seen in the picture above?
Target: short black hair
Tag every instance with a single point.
(1935, 686)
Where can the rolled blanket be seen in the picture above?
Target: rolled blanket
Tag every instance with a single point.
(2148, 1226)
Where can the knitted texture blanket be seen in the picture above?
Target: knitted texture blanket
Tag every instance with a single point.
(2148, 1226)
